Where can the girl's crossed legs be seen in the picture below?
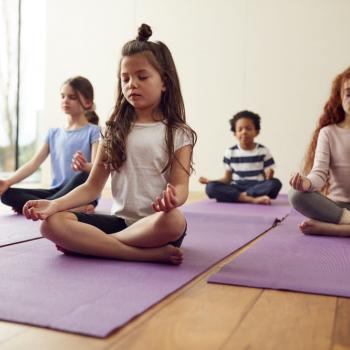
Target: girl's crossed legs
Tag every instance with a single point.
(18, 197)
(152, 238)
(258, 192)
(326, 216)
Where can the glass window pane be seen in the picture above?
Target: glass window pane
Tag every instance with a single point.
(9, 15)
(21, 102)
(31, 77)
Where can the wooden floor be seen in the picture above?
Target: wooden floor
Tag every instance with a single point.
(209, 316)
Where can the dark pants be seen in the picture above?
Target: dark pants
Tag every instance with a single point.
(112, 224)
(230, 193)
(17, 197)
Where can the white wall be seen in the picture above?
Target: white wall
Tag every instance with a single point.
(274, 57)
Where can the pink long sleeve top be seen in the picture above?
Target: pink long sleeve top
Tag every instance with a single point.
(332, 158)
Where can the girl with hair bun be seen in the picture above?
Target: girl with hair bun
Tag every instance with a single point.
(147, 150)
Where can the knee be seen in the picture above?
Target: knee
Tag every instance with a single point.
(296, 198)
(210, 189)
(6, 197)
(277, 184)
(51, 227)
(173, 222)
(276, 187)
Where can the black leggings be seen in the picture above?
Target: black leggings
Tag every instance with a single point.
(17, 197)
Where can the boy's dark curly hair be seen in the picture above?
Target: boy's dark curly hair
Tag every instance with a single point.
(255, 118)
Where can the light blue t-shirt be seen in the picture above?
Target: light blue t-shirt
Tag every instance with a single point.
(63, 144)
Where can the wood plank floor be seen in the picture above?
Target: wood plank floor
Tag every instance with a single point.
(209, 316)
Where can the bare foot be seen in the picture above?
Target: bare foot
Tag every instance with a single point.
(167, 254)
(172, 255)
(245, 198)
(86, 209)
(315, 227)
(90, 209)
(262, 200)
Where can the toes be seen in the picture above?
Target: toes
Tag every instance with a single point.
(90, 209)
(176, 260)
(176, 255)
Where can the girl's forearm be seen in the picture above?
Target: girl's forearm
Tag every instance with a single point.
(88, 167)
(22, 173)
(81, 195)
(317, 180)
(181, 194)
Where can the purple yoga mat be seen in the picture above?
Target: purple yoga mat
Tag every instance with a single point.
(278, 209)
(42, 287)
(286, 259)
(15, 228)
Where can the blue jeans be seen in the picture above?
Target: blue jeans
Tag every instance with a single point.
(230, 193)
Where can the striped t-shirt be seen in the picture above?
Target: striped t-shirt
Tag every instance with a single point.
(248, 164)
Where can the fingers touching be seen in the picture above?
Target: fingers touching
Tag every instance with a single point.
(299, 182)
(167, 201)
(78, 161)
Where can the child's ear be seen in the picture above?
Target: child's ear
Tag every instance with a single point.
(164, 81)
(163, 87)
(87, 104)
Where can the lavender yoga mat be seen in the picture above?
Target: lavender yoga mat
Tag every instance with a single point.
(42, 287)
(15, 228)
(278, 209)
(286, 259)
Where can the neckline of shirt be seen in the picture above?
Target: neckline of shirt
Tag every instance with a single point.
(73, 130)
(340, 128)
(148, 124)
(248, 150)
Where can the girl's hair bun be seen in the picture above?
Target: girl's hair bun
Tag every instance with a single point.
(144, 32)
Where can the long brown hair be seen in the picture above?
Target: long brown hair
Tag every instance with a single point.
(83, 86)
(171, 104)
(333, 113)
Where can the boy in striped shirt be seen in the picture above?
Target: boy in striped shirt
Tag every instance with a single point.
(249, 167)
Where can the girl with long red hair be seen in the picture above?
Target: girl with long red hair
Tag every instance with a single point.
(322, 191)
